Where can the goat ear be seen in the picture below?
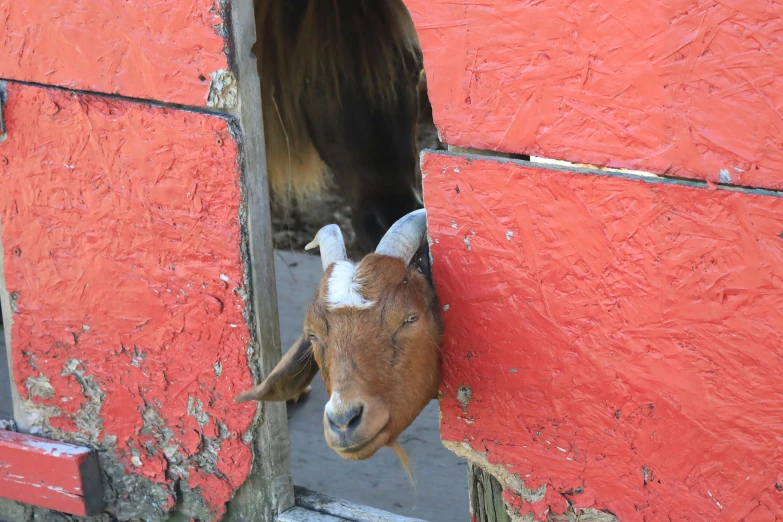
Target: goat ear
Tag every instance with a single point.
(290, 377)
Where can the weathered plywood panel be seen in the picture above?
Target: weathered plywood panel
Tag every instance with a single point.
(121, 228)
(613, 342)
(163, 51)
(51, 474)
(690, 88)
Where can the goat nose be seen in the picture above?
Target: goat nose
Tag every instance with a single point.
(344, 419)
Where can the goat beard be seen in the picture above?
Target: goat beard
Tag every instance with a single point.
(404, 461)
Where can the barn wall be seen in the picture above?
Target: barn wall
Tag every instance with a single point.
(690, 88)
(164, 51)
(610, 340)
(127, 242)
(121, 234)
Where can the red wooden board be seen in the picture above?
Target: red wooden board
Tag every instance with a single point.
(682, 87)
(50, 474)
(121, 231)
(619, 341)
(146, 49)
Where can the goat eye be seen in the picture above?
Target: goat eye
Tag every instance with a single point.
(411, 319)
(312, 336)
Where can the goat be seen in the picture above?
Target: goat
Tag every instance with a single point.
(341, 84)
(374, 331)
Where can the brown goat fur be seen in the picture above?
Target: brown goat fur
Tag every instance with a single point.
(383, 358)
(340, 87)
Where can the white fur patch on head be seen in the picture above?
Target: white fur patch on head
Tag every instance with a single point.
(342, 289)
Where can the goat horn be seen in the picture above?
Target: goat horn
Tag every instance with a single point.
(404, 237)
(330, 240)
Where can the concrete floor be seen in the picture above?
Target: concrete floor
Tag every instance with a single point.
(441, 477)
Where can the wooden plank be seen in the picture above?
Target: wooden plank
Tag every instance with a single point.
(122, 245)
(609, 338)
(50, 474)
(343, 509)
(6, 389)
(689, 88)
(9, 397)
(268, 491)
(166, 51)
(297, 514)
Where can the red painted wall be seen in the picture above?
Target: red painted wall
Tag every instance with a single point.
(120, 224)
(162, 51)
(617, 341)
(682, 87)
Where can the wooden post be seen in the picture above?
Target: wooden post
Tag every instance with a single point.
(54, 475)
(268, 490)
(7, 387)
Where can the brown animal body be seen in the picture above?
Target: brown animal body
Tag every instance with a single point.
(341, 83)
(374, 332)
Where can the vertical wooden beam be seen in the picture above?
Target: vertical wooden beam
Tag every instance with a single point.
(486, 500)
(268, 491)
(6, 310)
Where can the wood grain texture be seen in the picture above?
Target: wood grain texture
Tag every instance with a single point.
(122, 247)
(689, 88)
(610, 339)
(164, 51)
(50, 474)
(486, 497)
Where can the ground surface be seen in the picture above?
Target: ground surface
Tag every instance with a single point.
(380, 482)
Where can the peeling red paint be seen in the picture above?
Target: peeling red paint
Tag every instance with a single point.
(121, 230)
(692, 88)
(163, 51)
(621, 339)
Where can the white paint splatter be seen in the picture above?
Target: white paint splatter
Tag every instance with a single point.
(715, 500)
(344, 289)
(56, 449)
(725, 177)
(224, 277)
(509, 235)
(467, 242)
(445, 308)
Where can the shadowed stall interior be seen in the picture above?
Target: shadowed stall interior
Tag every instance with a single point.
(341, 86)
